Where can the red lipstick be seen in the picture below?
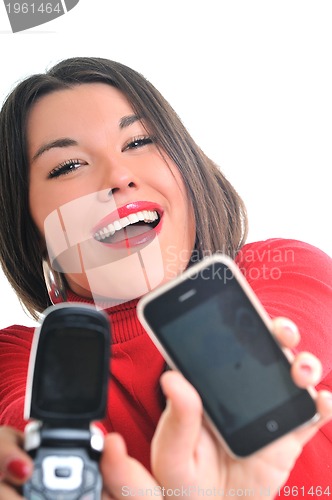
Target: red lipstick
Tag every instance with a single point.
(127, 232)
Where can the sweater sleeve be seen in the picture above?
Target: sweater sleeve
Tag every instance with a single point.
(294, 279)
(15, 343)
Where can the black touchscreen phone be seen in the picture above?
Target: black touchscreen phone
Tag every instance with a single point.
(209, 325)
(66, 392)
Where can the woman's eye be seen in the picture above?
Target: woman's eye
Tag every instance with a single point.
(137, 142)
(65, 168)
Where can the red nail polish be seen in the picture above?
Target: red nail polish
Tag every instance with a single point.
(18, 468)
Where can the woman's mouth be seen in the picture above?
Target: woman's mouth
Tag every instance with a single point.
(133, 226)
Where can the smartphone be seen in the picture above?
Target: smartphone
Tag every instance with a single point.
(66, 392)
(209, 325)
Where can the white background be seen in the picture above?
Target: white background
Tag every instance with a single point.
(251, 80)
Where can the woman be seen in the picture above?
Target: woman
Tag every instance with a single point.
(101, 182)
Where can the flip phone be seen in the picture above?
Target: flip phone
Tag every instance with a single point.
(66, 391)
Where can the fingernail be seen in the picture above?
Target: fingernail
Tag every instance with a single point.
(306, 369)
(328, 397)
(18, 468)
(290, 329)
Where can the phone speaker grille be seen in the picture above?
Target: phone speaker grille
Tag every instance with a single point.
(187, 295)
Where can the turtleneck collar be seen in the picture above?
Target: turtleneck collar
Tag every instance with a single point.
(123, 318)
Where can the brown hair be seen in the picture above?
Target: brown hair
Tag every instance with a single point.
(221, 223)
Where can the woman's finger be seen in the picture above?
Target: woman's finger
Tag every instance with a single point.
(324, 412)
(15, 465)
(324, 407)
(122, 475)
(7, 492)
(286, 332)
(306, 370)
(178, 430)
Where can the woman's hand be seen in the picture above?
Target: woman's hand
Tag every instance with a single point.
(15, 465)
(184, 451)
(187, 460)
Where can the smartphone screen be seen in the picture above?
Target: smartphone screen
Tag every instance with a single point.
(213, 334)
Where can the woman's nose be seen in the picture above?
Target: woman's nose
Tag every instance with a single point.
(125, 185)
(118, 180)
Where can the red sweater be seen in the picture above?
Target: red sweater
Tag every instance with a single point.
(291, 279)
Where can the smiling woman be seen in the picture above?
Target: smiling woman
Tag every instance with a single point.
(94, 166)
(103, 187)
(111, 132)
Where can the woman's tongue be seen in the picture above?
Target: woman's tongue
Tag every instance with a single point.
(130, 231)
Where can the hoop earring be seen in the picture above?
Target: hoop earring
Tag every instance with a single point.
(54, 283)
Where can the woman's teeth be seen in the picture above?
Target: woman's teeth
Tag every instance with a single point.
(146, 216)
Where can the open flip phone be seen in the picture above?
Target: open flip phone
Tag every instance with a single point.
(66, 391)
(209, 325)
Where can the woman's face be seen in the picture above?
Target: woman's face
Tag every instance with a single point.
(115, 216)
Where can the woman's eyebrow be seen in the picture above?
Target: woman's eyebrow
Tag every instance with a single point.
(126, 121)
(58, 143)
